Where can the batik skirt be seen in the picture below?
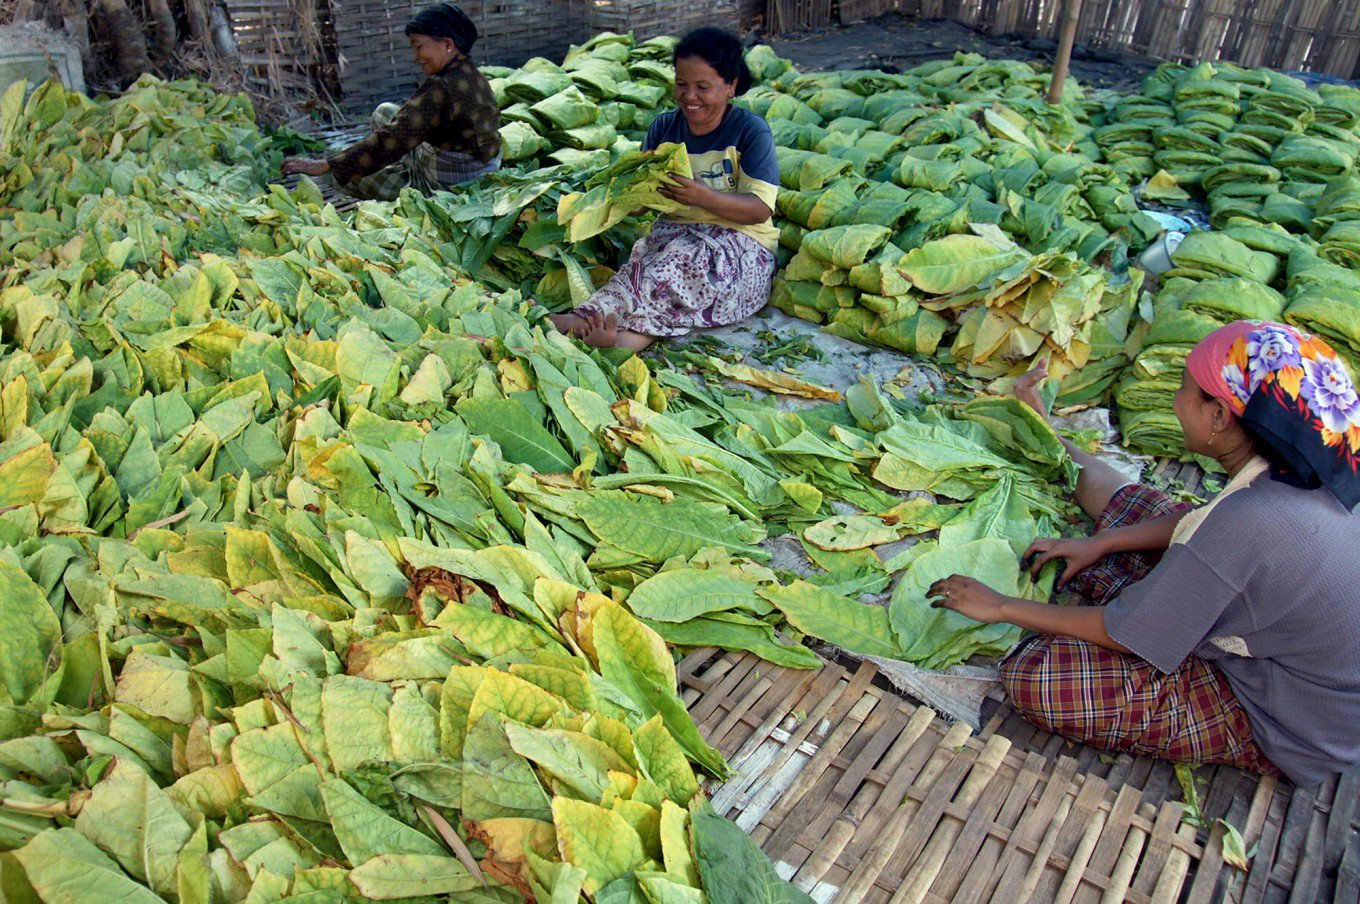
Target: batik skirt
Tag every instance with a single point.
(686, 276)
(1119, 701)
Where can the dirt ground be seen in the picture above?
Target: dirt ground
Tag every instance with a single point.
(894, 42)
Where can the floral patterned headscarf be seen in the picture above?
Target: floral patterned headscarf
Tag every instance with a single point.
(1293, 393)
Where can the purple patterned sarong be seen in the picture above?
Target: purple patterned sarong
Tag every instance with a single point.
(685, 276)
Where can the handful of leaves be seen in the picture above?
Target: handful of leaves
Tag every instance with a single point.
(627, 184)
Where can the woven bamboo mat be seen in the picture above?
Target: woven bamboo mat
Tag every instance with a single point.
(1306, 842)
(859, 795)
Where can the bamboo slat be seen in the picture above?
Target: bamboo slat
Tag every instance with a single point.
(859, 795)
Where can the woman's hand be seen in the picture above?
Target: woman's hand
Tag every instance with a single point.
(1079, 554)
(969, 597)
(684, 190)
(308, 165)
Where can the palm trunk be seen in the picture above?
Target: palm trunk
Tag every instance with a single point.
(125, 34)
(162, 31)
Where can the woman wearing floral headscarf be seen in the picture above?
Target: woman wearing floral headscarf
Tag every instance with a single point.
(1224, 634)
(447, 133)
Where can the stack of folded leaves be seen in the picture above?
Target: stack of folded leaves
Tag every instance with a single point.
(1216, 280)
(1012, 309)
(1324, 298)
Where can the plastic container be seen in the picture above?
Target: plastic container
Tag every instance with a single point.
(1157, 258)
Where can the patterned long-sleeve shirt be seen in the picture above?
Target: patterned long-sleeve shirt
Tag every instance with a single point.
(455, 110)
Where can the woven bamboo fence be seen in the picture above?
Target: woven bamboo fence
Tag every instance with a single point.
(648, 18)
(1315, 35)
(285, 48)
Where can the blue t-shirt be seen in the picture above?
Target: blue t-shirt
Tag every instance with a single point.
(738, 156)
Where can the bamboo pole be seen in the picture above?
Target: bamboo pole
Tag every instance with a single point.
(1071, 13)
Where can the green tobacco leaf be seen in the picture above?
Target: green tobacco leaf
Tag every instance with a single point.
(64, 868)
(580, 762)
(1235, 851)
(733, 868)
(497, 781)
(675, 846)
(597, 840)
(846, 246)
(354, 716)
(26, 475)
(521, 438)
(562, 882)
(734, 632)
(836, 619)
(656, 531)
(159, 686)
(999, 512)
(937, 637)
(30, 639)
(136, 823)
(626, 184)
(661, 888)
(686, 593)
(663, 761)
(390, 876)
(956, 262)
(635, 660)
(277, 772)
(489, 634)
(366, 831)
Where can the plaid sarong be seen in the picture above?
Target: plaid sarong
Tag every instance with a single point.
(427, 169)
(1108, 577)
(1121, 702)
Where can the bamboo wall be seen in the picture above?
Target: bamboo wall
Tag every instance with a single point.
(1316, 35)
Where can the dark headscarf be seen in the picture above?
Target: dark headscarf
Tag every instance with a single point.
(444, 20)
(1293, 393)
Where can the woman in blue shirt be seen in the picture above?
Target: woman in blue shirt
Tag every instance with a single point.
(711, 262)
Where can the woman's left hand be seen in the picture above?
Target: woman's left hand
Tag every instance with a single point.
(686, 191)
(308, 165)
(968, 597)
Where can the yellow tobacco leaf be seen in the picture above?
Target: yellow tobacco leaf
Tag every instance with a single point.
(773, 381)
(509, 837)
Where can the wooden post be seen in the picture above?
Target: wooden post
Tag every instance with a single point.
(1071, 12)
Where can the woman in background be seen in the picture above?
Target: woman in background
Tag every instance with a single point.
(447, 133)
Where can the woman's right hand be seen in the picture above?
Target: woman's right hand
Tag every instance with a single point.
(308, 165)
(1079, 554)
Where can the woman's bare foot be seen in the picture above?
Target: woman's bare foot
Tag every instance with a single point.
(600, 330)
(1027, 390)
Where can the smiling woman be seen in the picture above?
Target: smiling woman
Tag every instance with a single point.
(447, 133)
(711, 262)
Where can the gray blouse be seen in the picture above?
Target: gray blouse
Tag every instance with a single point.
(1267, 588)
